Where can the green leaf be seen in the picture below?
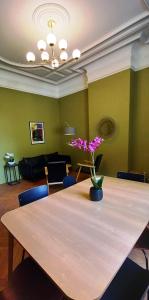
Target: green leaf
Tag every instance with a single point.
(97, 181)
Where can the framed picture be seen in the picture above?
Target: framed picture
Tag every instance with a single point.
(37, 132)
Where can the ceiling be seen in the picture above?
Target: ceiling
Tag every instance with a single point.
(93, 26)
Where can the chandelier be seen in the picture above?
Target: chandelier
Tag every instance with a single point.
(51, 41)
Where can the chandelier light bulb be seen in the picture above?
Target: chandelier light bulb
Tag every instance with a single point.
(63, 55)
(45, 56)
(30, 56)
(76, 54)
(41, 45)
(55, 63)
(62, 44)
(51, 39)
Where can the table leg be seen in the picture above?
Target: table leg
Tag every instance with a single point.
(78, 173)
(10, 254)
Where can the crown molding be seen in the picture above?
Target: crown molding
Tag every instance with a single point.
(134, 55)
(22, 83)
(140, 56)
(73, 85)
(146, 3)
(109, 64)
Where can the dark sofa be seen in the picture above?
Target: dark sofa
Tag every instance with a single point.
(32, 168)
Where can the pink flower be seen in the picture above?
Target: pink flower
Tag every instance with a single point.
(87, 146)
(91, 148)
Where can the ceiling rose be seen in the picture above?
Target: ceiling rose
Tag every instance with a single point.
(47, 11)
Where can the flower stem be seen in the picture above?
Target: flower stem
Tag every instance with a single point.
(93, 162)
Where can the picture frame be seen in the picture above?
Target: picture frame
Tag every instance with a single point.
(37, 132)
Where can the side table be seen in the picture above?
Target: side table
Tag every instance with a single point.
(12, 174)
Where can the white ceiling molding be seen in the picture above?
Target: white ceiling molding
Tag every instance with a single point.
(74, 85)
(145, 36)
(22, 83)
(147, 3)
(134, 55)
(113, 63)
(140, 56)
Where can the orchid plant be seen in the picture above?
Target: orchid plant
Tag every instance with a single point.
(91, 148)
(9, 157)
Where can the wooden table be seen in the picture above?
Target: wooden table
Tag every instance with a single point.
(79, 243)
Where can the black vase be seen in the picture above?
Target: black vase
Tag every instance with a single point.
(96, 194)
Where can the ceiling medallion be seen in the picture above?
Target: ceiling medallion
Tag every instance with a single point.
(51, 13)
(56, 12)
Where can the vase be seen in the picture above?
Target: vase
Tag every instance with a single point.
(96, 194)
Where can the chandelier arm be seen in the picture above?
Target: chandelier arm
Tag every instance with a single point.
(52, 51)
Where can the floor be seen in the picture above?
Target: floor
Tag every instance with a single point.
(9, 201)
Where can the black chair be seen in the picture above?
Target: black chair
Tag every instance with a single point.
(29, 282)
(130, 283)
(131, 176)
(55, 172)
(33, 194)
(87, 166)
(68, 181)
(143, 241)
(143, 244)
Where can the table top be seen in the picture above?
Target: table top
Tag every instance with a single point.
(79, 243)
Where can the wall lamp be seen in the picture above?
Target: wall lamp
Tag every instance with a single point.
(68, 130)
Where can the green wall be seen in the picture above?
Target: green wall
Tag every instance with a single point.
(74, 111)
(110, 97)
(140, 144)
(122, 97)
(16, 110)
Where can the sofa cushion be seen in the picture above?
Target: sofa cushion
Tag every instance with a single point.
(35, 161)
(65, 158)
(50, 157)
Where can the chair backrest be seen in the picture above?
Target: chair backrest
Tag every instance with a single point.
(56, 172)
(33, 194)
(98, 162)
(131, 176)
(69, 180)
(130, 282)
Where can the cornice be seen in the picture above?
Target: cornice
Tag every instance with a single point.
(22, 83)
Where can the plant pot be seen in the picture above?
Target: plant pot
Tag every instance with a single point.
(96, 194)
(11, 163)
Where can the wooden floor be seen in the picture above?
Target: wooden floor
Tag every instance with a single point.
(9, 201)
